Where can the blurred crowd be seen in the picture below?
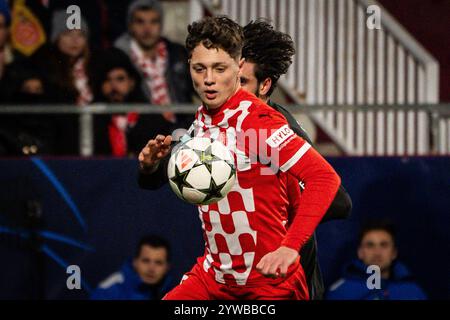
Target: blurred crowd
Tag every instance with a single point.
(375, 273)
(117, 56)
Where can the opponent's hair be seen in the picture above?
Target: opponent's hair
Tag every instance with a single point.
(270, 50)
(154, 242)
(377, 225)
(216, 32)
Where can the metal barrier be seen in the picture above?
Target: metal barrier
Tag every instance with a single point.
(390, 139)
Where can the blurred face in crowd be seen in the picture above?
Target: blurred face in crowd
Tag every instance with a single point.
(145, 27)
(3, 31)
(72, 43)
(377, 248)
(152, 264)
(215, 75)
(33, 86)
(117, 85)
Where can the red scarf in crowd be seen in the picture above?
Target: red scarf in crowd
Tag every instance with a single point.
(117, 130)
(154, 74)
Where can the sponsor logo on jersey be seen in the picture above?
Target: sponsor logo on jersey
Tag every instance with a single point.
(279, 136)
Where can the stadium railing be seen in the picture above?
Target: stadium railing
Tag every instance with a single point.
(389, 138)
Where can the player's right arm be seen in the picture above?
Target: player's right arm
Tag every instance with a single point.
(153, 162)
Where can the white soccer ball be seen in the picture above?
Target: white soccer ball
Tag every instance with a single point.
(201, 170)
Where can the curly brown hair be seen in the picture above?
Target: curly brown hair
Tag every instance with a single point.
(270, 50)
(216, 32)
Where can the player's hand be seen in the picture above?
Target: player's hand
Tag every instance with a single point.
(155, 150)
(276, 263)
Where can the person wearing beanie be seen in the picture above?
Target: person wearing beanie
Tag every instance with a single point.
(59, 25)
(161, 63)
(68, 65)
(154, 5)
(67, 61)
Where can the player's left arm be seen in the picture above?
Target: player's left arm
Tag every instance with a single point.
(292, 154)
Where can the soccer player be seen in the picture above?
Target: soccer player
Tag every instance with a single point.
(268, 55)
(249, 252)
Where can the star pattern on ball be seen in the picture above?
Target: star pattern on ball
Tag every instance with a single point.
(200, 181)
(180, 179)
(213, 191)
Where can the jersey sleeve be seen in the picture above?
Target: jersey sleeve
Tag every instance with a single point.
(282, 149)
(293, 194)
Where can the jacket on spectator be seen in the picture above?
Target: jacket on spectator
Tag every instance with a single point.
(353, 285)
(127, 285)
(12, 58)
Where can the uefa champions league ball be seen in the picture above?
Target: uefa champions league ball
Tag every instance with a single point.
(201, 170)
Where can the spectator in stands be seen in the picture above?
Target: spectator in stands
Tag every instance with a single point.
(68, 64)
(26, 134)
(161, 63)
(95, 16)
(125, 87)
(20, 83)
(119, 83)
(377, 246)
(146, 277)
(27, 84)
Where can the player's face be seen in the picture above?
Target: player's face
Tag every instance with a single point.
(377, 248)
(72, 43)
(215, 75)
(248, 78)
(152, 264)
(145, 27)
(117, 85)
